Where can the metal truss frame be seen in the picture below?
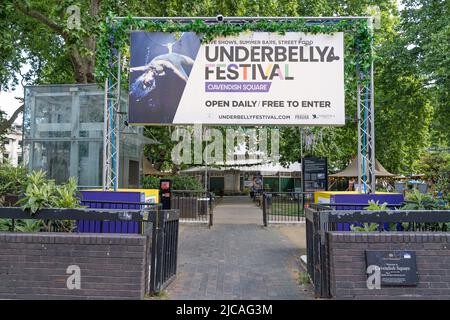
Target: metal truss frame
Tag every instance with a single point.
(365, 102)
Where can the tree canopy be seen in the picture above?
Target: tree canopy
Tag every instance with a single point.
(411, 66)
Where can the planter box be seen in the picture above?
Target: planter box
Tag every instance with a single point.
(39, 265)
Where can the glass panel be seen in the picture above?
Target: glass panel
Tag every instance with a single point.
(91, 114)
(90, 164)
(54, 158)
(27, 114)
(57, 116)
(53, 116)
(26, 154)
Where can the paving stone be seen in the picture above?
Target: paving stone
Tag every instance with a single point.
(234, 260)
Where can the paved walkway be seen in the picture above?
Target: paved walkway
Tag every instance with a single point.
(237, 258)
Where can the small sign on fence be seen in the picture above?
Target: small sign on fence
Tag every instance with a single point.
(315, 173)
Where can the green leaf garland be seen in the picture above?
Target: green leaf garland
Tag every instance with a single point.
(114, 37)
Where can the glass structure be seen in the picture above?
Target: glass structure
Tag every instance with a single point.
(63, 135)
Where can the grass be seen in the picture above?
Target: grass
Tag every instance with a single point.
(158, 296)
(303, 278)
(287, 209)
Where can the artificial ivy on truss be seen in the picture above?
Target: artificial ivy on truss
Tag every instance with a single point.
(114, 36)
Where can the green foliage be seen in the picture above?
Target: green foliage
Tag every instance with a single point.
(369, 227)
(436, 167)
(160, 153)
(38, 197)
(5, 224)
(29, 225)
(411, 62)
(419, 201)
(178, 183)
(42, 193)
(12, 179)
(408, 103)
(303, 278)
(66, 195)
(425, 26)
(37, 178)
(375, 206)
(358, 46)
(150, 182)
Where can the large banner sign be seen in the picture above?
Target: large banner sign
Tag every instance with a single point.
(255, 78)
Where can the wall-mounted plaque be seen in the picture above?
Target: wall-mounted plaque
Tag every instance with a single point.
(398, 267)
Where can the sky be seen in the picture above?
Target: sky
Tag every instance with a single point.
(8, 103)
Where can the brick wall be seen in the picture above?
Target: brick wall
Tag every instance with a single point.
(34, 265)
(348, 266)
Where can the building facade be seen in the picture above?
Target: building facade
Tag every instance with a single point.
(239, 178)
(12, 146)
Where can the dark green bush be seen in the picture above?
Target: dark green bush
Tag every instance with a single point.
(178, 183)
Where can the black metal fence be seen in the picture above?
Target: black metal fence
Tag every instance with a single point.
(160, 226)
(285, 207)
(164, 249)
(194, 206)
(321, 219)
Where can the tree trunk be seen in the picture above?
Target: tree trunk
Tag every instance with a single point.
(83, 66)
(5, 125)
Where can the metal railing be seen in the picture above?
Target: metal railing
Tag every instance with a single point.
(285, 207)
(321, 219)
(194, 206)
(113, 226)
(159, 226)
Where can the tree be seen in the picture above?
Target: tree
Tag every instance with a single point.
(425, 30)
(5, 124)
(160, 154)
(411, 67)
(436, 167)
(37, 32)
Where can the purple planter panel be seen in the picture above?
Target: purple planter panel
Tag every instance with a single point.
(91, 226)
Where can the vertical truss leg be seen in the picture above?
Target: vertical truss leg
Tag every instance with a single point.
(366, 134)
(111, 126)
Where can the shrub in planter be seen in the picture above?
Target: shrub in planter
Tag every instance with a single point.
(43, 193)
(419, 201)
(36, 192)
(368, 227)
(12, 184)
